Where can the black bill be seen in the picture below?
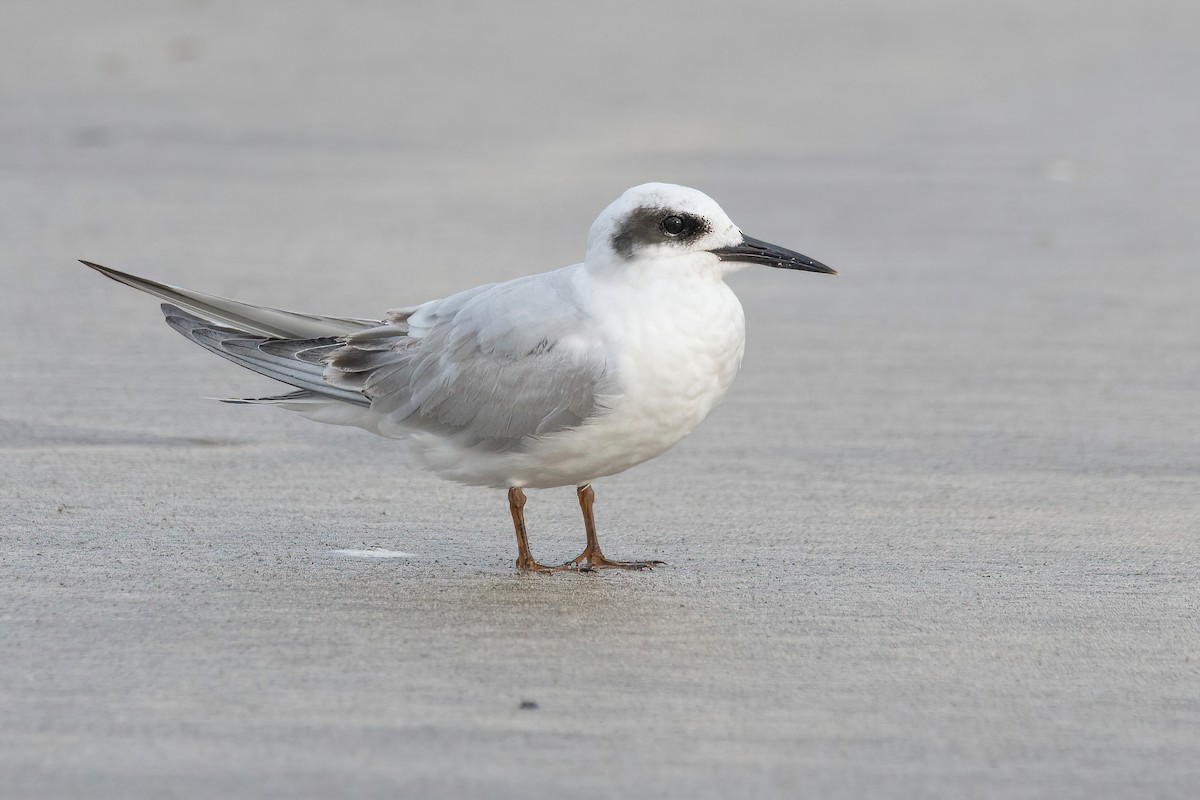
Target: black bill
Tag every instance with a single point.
(756, 251)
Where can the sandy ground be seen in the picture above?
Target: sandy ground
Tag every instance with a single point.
(941, 540)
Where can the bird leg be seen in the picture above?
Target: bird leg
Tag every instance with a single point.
(591, 557)
(525, 560)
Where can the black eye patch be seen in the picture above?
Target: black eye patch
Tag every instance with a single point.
(649, 226)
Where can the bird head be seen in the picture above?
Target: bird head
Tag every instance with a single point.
(661, 226)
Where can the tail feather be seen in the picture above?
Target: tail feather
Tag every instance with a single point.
(298, 396)
(317, 407)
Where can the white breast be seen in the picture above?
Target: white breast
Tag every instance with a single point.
(676, 349)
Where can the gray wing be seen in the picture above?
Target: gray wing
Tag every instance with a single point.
(498, 364)
(252, 319)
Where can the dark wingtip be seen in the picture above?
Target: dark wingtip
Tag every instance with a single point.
(103, 270)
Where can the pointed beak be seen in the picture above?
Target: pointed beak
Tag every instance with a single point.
(756, 251)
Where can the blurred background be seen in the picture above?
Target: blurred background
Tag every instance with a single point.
(939, 540)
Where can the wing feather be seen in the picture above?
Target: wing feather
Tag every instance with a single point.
(247, 351)
(246, 317)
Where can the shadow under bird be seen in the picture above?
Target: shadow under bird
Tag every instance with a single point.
(549, 380)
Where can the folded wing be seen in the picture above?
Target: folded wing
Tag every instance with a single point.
(497, 366)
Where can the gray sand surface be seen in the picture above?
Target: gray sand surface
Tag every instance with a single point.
(941, 540)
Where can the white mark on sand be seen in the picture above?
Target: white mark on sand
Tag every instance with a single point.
(374, 552)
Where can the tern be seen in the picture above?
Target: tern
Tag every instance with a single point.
(550, 380)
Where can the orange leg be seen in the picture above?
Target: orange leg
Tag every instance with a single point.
(525, 560)
(591, 557)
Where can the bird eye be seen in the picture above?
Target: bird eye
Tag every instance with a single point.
(674, 225)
